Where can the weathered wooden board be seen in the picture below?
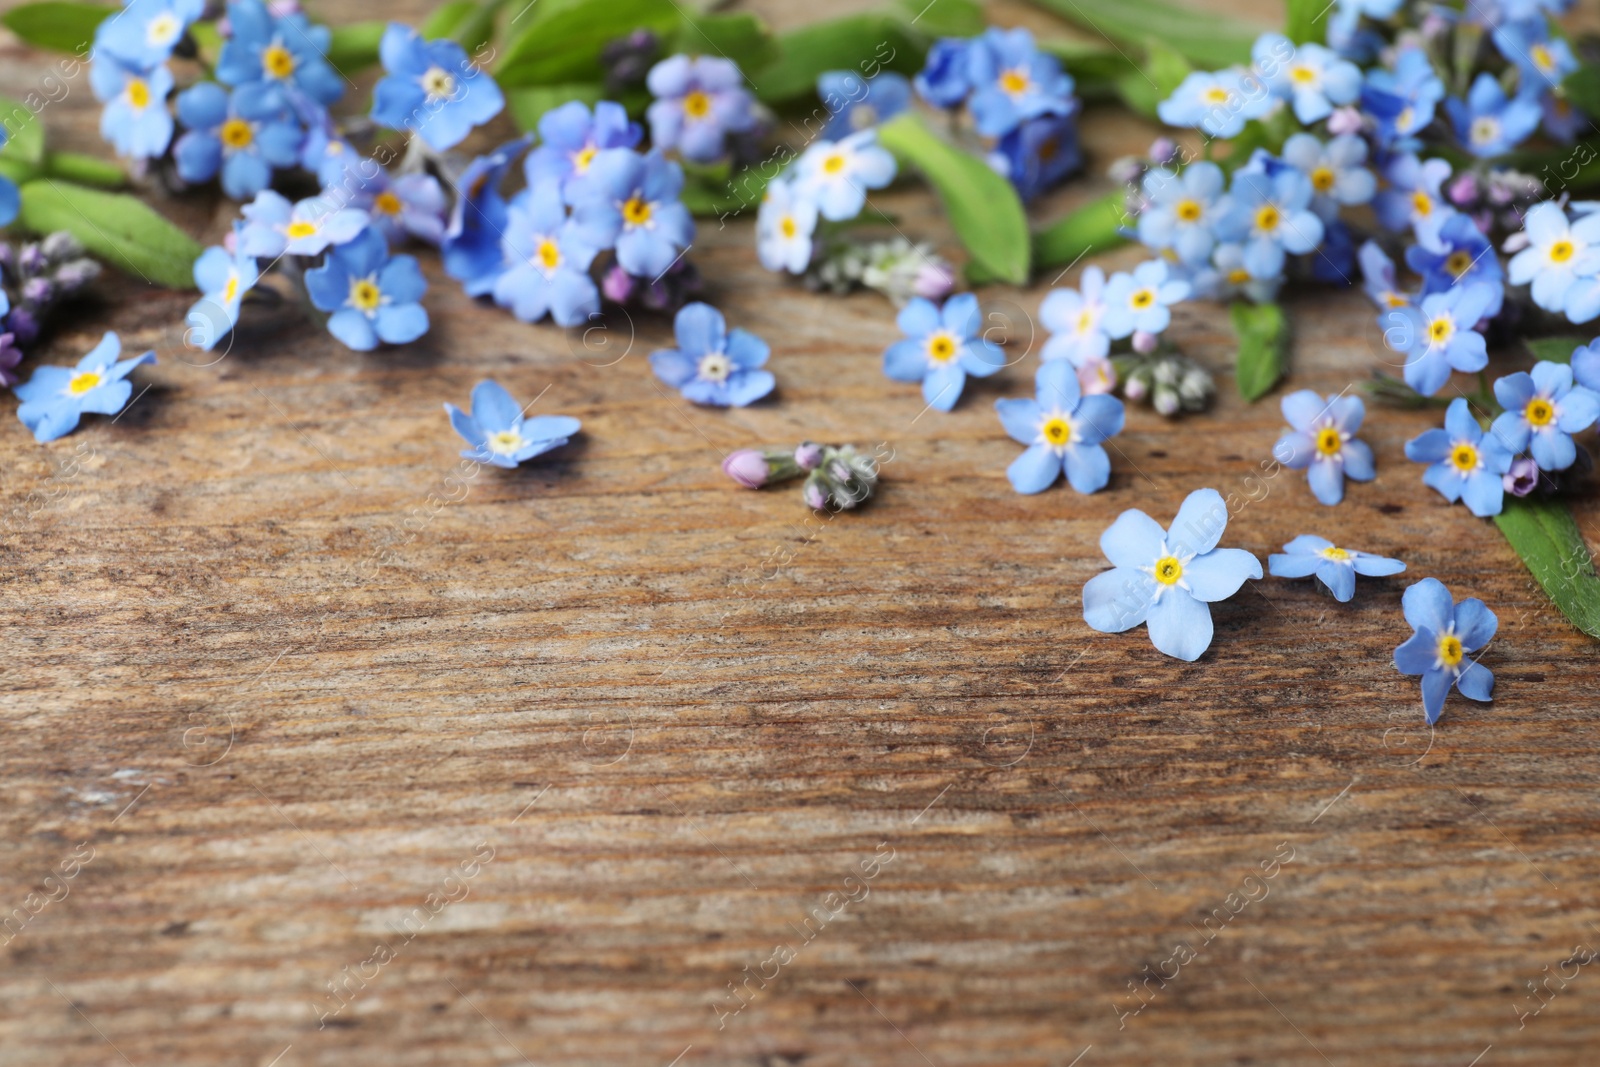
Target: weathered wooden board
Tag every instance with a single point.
(273, 682)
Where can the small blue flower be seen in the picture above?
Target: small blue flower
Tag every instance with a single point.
(431, 89)
(1446, 634)
(944, 80)
(699, 101)
(1167, 577)
(144, 32)
(1314, 79)
(223, 278)
(784, 228)
(1559, 251)
(1230, 274)
(1489, 124)
(548, 255)
(1333, 566)
(412, 205)
(631, 201)
(55, 397)
(499, 434)
(1403, 100)
(1586, 365)
(1543, 410)
(858, 103)
(1466, 463)
(1218, 103)
(1184, 211)
(282, 60)
(10, 196)
(1271, 216)
(1441, 335)
(472, 251)
(135, 121)
(1413, 197)
(1063, 430)
(571, 138)
(942, 348)
(837, 174)
(1460, 256)
(275, 227)
(1322, 442)
(1379, 281)
(373, 296)
(1013, 81)
(327, 155)
(712, 364)
(1544, 62)
(1075, 319)
(1142, 300)
(1039, 153)
(1562, 121)
(239, 137)
(1337, 171)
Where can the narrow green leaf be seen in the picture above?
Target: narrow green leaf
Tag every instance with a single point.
(982, 206)
(561, 40)
(24, 132)
(1546, 536)
(1306, 21)
(354, 46)
(527, 106)
(1554, 349)
(119, 229)
(56, 25)
(470, 23)
(741, 37)
(447, 18)
(945, 18)
(867, 43)
(1263, 347)
(1095, 68)
(1094, 227)
(1205, 39)
(85, 170)
(1145, 87)
(17, 172)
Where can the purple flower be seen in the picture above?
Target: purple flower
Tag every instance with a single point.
(274, 227)
(713, 365)
(1523, 477)
(1466, 463)
(747, 467)
(411, 205)
(10, 356)
(1323, 440)
(1446, 633)
(699, 101)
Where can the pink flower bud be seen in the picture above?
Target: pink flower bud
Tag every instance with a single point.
(1096, 376)
(617, 285)
(747, 467)
(808, 455)
(1523, 476)
(1344, 120)
(1463, 190)
(1163, 150)
(1135, 389)
(1144, 343)
(934, 281)
(814, 495)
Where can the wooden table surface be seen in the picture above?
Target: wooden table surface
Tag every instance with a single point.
(544, 766)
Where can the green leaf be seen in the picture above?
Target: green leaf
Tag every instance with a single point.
(527, 106)
(470, 23)
(1206, 40)
(709, 191)
(1094, 227)
(25, 130)
(1546, 536)
(119, 229)
(982, 206)
(1582, 87)
(561, 40)
(85, 170)
(742, 37)
(1263, 347)
(945, 18)
(867, 43)
(57, 26)
(1306, 21)
(354, 46)
(1145, 87)
(1095, 69)
(447, 18)
(1554, 349)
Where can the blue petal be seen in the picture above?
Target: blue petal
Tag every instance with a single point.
(1435, 687)
(1427, 605)
(1117, 600)
(700, 329)
(1199, 523)
(1358, 462)
(1326, 479)
(1475, 624)
(1476, 682)
(1088, 467)
(1180, 625)
(1218, 574)
(746, 387)
(745, 349)
(1293, 565)
(942, 387)
(1035, 470)
(493, 407)
(550, 427)
(1099, 417)
(1304, 407)
(961, 315)
(1552, 450)
(1133, 541)
(354, 329)
(906, 361)
(1340, 578)
(1418, 653)
(1377, 566)
(400, 324)
(1484, 494)
(465, 425)
(1056, 383)
(1020, 417)
(673, 367)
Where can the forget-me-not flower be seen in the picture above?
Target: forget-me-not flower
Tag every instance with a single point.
(10, 195)
(1230, 274)
(1558, 252)
(498, 433)
(1037, 154)
(1184, 210)
(144, 32)
(1586, 365)
(785, 224)
(1460, 255)
(1413, 196)
(1013, 81)
(223, 277)
(1402, 100)
(712, 364)
(1379, 279)
(1447, 633)
(1142, 300)
(570, 139)
(135, 121)
(1544, 61)
(412, 205)
(1440, 335)
(1271, 216)
(56, 397)
(1063, 430)
(631, 201)
(275, 227)
(548, 255)
(240, 137)
(699, 101)
(942, 347)
(1333, 566)
(1322, 442)
(857, 103)
(373, 296)
(473, 251)
(837, 174)
(1074, 318)
(1466, 463)
(944, 80)
(1314, 78)
(1165, 578)
(1543, 410)
(1337, 171)
(1218, 103)
(280, 59)
(1489, 123)
(431, 89)
(328, 155)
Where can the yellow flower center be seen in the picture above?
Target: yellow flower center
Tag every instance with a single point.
(581, 160)
(230, 290)
(1015, 81)
(1540, 412)
(1267, 217)
(787, 226)
(138, 94)
(636, 212)
(1216, 95)
(1322, 179)
(1329, 441)
(504, 443)
(1302, 74)
(697, 105)
(1464, 457)
(365, 295)
(277, 61)
(1142, 298)
(237, 133)
(1405, 120)
(162, 30)
(1541, 57)
(549, 254)
(1562, 250)
(1057, 431)
(1168, 570)
(1459, 263)
(834, 164)
(1395, 300)
(1334, 552)
(438, 83)
(1450, 651)
(942, 348)
(1085, 320)
(301, 228)
(82, 382)
(1441, 329)
(387, 203)
(1238, 276)
(1189, 210)
(1421, 203)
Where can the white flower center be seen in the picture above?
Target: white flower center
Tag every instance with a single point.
(715, 367)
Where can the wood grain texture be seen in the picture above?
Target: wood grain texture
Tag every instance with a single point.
(285, 698)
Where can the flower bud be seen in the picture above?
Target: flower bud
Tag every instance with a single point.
(1096, 376)
(37, 291)
(1144, 342)
(1137, 387)
(1523, 476)
(814, 492)
(934, 281)
(10, 356)
(22, 323)
(617, 285)
(1126, 170)
(1463, 190)
(31, 261)
(747, 467)
(1166, 401)
(808, 456)
(1163, 150)
(75, 274)
(1344, 120)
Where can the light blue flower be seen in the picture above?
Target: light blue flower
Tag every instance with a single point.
(1231, 275)
(1413, 196)
(942, 348)
(1063, 430)
(1379, 280)
(239, 137)
(1142, 300)
(472, 252)
(1184, 210)
(1322, 442)
(499, 434)
(570, 140)
(135, 121)
(1075, 320)
(1271, 216)
(1337, 171)
(431, 89)
(10, 196)
(699, 101)
(1446, 634)
(1038, 154)
(712, 364)
(1013, 81)
(1441, 335)
(1559, 251)
(1218, 103)
(1460, 256)
(837, 174)
(1586, 365)
(412, 205)
(1466, 463)
(373, 296)
(1402, 101)
(223, 277)
(282, 60)
(1544, 62)
(785, 224)
(1314, 79)
(144, 32)
(548, 255)
(944, 80)
(631, 201)
(1543, 410)
(329, 156)
(1167, 577)
(56, 397)
(1333, 566)
(1489, 124)
(275, 227)
(857, 103)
